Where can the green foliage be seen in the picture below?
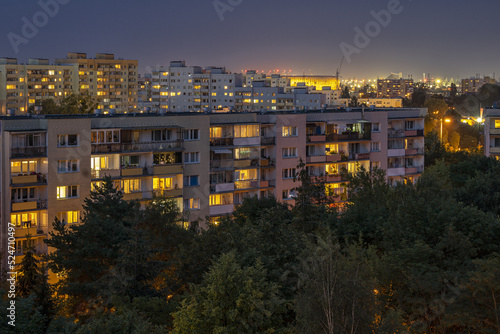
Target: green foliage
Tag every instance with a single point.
(82, 103)
(232, 299)
(29, 316)
(345, 93)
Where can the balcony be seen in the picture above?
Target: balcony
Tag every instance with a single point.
(396, 152)
(348, 136)
(239, 185)
(33, 231)
(222, 164)
(133, 196)
(248, 141)
(395, 133)
(137, 147)
(99, 174)
(414, 133)
(316, 138)
(169, 192)
(494, 131)
(132, 171)
(167, 169)
(409, 170)
(396, 171)
(25, 152)
(221, 141)
(414, 151)
(333, 178)
(333, 157)
(222, 187)
(267, 140)
(362, 156)
(316, 159)
(29, 179)
(216, 210)
(29, 205)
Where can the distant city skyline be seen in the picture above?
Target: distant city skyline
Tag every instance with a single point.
(449, 39)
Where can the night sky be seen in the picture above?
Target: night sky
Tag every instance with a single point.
(447, 38)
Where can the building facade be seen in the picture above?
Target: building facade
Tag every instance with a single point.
(394, 86)
(492, 133)
(208, 163)
(472, 85)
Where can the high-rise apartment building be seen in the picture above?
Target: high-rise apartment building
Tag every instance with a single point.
(112, 82)
(492, 133)
(472, 85)
(25, 85)
(207, 162)
(395, 86)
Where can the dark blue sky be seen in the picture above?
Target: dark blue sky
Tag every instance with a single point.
(448, 38)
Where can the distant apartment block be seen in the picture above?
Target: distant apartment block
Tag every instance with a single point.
(472, 85)
(492, 133)
(394, 86)
(112, 82)
(208, 163)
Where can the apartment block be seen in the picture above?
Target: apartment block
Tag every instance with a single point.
(208, 163)
(112, 82)
(394, 86)
(25, 85)
(472, 85)
(492, 133)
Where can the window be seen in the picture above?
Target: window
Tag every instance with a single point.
(191, 180)
(23, 194)
(375, 146)
(68, 166)
(105, 136)
(67, 192)
(375, 127)
(246, 131)
(289, 131)
(23, 167)
(332, 149)
(497, 123)
(98, 163)
(191, 203)
(245, 174)
(67, 140)
(130, 161)
(289, 152)
(24, 220)
(161, 135)
(409, 125)
(288, 194)
(409, 162)
(68, 217)
(215, 132)
(131, 186)
(288, 173)
(221, 199)
(163, 183)
(191, 134)
(192, 157)
(374, 165)
(245, 153)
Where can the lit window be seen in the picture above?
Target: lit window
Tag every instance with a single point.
(221, 199)
(162, 183)
(67, 192)
(246, 131)
(24, 220)
(68, 217)
(289, 131)
(497, 123)
(130, 186)
(191, 203)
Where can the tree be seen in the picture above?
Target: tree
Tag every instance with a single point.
(82, 103)
(345, 93)
(336, 289)
(232, 299)
(419, 96)
(104, 256)
(354, 102)
(29, 273)
(453, 91)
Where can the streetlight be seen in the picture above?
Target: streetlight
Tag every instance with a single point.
(447, 120)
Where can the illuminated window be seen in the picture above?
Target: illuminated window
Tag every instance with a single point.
(24, 220)
(67, 192)
(191, 203)
(214, 94)
(68, 217)
(131, 186)
(215, 132)
(245, 153)
(245, 174)
(21, 79)
(105, 136)
(332, 149)
(245, 131)
(98, 163)
(11, 86)
(23, 167)
(118, 66)
(52, 86)
(51, 72)
(497, 123)
(289, 131)
(331, 169)
(162, 183)
(221, 199)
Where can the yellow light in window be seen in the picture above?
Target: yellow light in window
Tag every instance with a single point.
(51, 72)
(225, 87)
(118, 66)
(156, 87)
(11, 87)
(81, 73)
(31, 101)
(164, 74)
(22, 109)
(214, 94)
(21, 79)
(45, 79)
(51, 86)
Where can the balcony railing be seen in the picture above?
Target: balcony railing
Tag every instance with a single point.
(347, 136)
(29, 179)
(221, 141)
(395, 133)
(137, 147)
(267, 140)
(34, 151)
(29, 205)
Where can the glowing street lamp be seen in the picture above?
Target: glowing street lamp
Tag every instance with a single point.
(447, 120)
